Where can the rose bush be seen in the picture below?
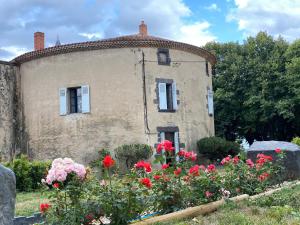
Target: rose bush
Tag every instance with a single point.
(79, 198)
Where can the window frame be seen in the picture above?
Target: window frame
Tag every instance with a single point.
(175, 131)
(167, 53)
(78, 104)
(80, 97)
(169, 97)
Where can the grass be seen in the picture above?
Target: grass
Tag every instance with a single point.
(29, 202)
(281, 208)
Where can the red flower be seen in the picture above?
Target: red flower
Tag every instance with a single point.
(181, 153)
(236, 160)
(263, 159)
(194, 170)
(165, 166)
(263, 176)
(156, 177)
(159, 148)
(141, 164)
(108, 162)
(44, 207)
(278, 150)
(177, 172)
(190, 155)
(250, 163)
(147, 167)
(208, 194)
(211, 168)
(56, 185)
(146, 181)
(226, 160)
(166, 145)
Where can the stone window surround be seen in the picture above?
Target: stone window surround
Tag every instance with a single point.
(169, 129)
(156, 101)
(165, 51)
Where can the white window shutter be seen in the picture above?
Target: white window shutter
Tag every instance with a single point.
(162, 89)
(63, 101)
(85, 95)
(210, 101)
(162, 136)
(176, 141)
(174, 96)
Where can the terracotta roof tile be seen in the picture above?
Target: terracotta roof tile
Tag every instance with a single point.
(129, 41)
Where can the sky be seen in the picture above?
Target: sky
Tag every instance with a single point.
(191, 21)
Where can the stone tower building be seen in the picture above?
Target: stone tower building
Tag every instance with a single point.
(74, 99)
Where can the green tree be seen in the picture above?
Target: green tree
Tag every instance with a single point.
(252, 96)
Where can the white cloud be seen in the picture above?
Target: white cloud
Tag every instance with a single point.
(12, 50)
(77, 20)
(91, 35)
(196, 34)
(280, 17)
(213, 7)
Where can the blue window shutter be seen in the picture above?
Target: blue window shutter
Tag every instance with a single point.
(162, 136)
(85, 95)
(210, 102)
(63, 101)
(174, 96)
(162, 89)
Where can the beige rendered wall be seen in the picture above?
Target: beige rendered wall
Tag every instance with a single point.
(116, 99)
(189, 73)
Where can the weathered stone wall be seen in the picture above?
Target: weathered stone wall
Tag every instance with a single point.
(115, 78)
(7, 109)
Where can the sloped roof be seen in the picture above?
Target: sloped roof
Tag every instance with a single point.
(130, 41)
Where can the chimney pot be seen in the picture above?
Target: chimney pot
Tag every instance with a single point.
(143, 29)
(39, 41)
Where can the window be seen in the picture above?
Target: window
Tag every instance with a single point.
(74, 100)
(171, 134)
(207, 68)
(163, 56)
(167, 95)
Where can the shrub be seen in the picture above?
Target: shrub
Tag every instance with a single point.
(296, 140)
(217, 148)
(130, 154)
(38, 171)
(28, 173)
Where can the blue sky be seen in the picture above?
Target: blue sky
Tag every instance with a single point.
(192, 21)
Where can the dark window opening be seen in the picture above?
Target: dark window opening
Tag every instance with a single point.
(163, 57)
(207, 68)
(170, 136)
(169, 96)
(75, 100)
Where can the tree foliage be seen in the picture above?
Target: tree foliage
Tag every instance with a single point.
(256, 89)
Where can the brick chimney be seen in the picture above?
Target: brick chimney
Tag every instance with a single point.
(143, 29)
(39, 41)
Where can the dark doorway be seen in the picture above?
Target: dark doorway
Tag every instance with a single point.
(170, 136)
